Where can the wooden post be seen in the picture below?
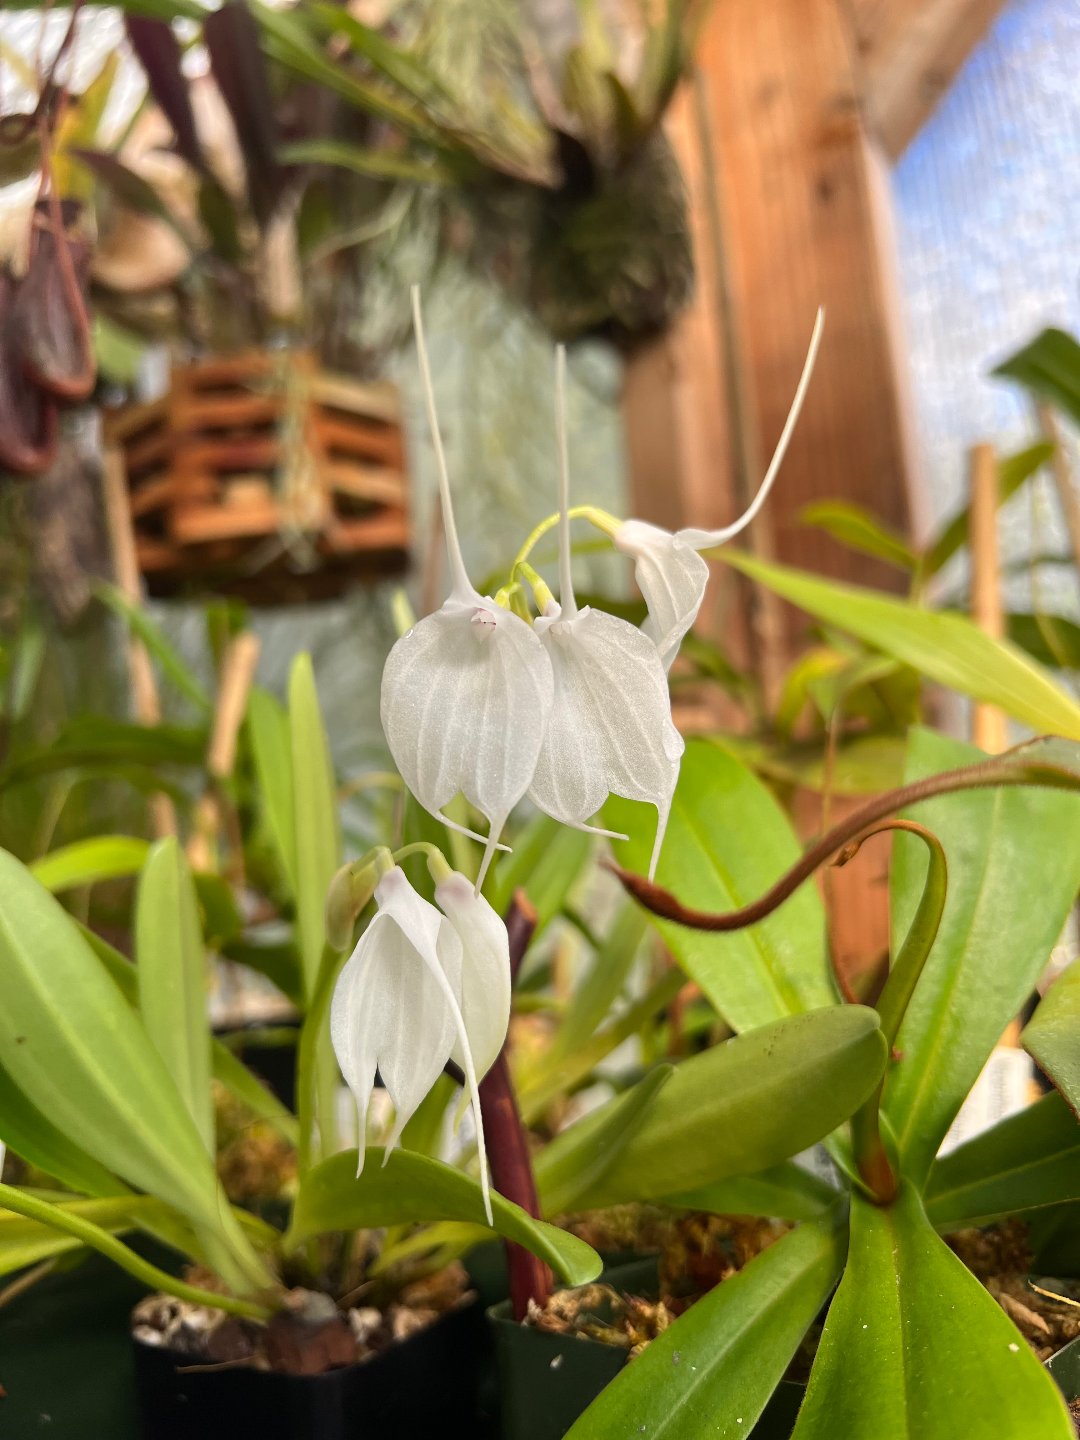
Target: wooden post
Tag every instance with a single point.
(144, 691)
(234, 686)
(989, 728)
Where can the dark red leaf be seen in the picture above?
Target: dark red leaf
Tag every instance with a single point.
(159, 54)
(236, 59)
(50, 310)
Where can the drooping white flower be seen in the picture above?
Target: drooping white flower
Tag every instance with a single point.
(670, 573)
(610, 731)
(466, 693)
(422, 988)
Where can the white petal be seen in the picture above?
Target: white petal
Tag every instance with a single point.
(389, 1013)
(671, 576)
(610, 730)
(466, 695)
(438, 945)
(485, 968)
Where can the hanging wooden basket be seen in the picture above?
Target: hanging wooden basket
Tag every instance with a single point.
(260, 475)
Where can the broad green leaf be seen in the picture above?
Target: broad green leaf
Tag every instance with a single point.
(915, 1349)
(563, 1176)
(94, 742)
(862, 764)
(733, 1110)
(1025, 1162)
(268, 733)
(174, 669)
(413, 1189)
(712, 1372)
(1052, 1035)
(318, 842)
(786, 1191)
(1049, 366)
(172, 978)
(1013, 860)
(365, 160)
(74, 1048)
(1053, 640)
(227, 1069)
(547, 861)
(727, 842)
(86, 862)
(603, 981)
(856, 528)
(28, 1134)
(1013, 471)
(948, 648)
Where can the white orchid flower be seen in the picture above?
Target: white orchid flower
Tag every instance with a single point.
(610, 731)
(669, 571)
(422, 988)
(466, 693)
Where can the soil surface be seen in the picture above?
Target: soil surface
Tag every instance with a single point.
(1001, 1259)
(310, 1336)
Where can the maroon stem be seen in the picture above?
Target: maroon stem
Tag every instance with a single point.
(507, 1138)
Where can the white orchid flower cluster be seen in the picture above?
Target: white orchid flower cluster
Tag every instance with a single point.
(483, 700)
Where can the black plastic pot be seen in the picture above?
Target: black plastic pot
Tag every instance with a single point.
(430, 1384)
(547, 1381)
(1065, 1369)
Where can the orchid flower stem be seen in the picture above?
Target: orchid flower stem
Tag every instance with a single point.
(600, 518)
(566, 578)
(57, 1218)
(539, 586)
(872, 1159)
(314, 1039)
(508, 1141)
(460, 586)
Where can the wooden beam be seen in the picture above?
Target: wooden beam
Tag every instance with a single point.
(908, 53)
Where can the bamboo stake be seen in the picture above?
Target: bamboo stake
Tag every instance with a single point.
(145, 699)
(988, 723)
(234, 686)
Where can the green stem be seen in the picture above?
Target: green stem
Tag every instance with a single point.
(871, 1156)
(313, 1094)
(115, 1250)
(600, 518)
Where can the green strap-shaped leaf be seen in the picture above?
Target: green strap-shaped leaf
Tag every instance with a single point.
(711, 1374)
(86, 862)
(572, 1170)
(548, 860)
(915, 1349)
(172, 978)
(74, 1048)
(27, 1242)
(28, 1134)
(1050, 366)
(172, 666)
(945, 647)
(1052, 1034)
(1013, 471)
(227, 1069)
(727, 842)
(1014, 867)
(858, 529)
(786, 1191)
(271, 749)
(411, 1188)
(1025, 1162)
(733, 1110)
(317, 839)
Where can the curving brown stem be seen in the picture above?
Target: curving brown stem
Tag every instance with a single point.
(1011, 768)
(508, 1140)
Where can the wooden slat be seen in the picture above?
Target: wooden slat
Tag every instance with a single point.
(380, 400)
(388, 530)
(195, 525)
(243, 367)
(378, 483)
(908, 53)
(353, 438)
(119, 425)
(151, 496)
(224, 412)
